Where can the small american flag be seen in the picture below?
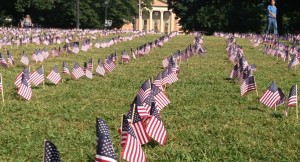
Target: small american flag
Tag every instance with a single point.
(282, 97)
(25, 88)
(90, 64)
(164, 77)
(234, 72)
(125, 57)
(109, 65)
(100, 69)
(24, 59)
(124, 130)
(165, 62)
(105, 150)
(158, 81)
(293, 62)
(155, 127)
(172, 75)
(3, 61)
(77, 71)
(145, 90)
(148, 101)
(140, 107)
(65, 68)
(18, 80)
(138, 127)
(248, 85)
(10, 59)
(160, 98)
(87, 71)
(54, 75)
(292, 100)
(132, 150)
(270, 96)
(51, 153)
(37, 77)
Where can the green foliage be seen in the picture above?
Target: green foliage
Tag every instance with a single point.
(234, 15)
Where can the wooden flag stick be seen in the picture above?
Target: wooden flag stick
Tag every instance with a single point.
(2, 89)
(256, 87)
(133, 111)
(44, 150)
(296, 102)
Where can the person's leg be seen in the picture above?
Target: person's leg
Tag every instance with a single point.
(275, 26)
(268, 25)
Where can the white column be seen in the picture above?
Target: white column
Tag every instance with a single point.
(161, 21)
(172, 21)
(140, 17)
(151, 20)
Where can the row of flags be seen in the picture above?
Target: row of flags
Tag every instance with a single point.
(141, 123)
(271, 97)
(25, 78)
(19, 37)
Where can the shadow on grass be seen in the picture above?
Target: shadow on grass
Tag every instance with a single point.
(153, 144)
(277, 114)
(255, 108)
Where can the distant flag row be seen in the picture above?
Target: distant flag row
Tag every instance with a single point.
(271, 97)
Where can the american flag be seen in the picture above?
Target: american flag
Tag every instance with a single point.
(132, 150)
(145, 90)
(87, 71)
(158, 81)
(77, 71)
(75, 48)
(155, 127)
(160, 98)
(25, 89)
(172, 76)
(138, 126)
(125, 57)
(270, 96)
(24, 59)
(292, 100)
(242, 63)
(165, 62)
(90, 64)
(54, 75)
(140, 107)
(234, 72)
(18, 80)
(248, 85)
(51, 154)
(37, 77)
(105, 150)
(100, 69)
(45, 53)
(65, 68)
(109, 65)
(164, 77)
(124, 130)
(282, 97)
(10, 59)
(293, 62)
(3, 61)
(148, 101)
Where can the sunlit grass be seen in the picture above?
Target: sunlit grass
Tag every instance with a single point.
(207, 119)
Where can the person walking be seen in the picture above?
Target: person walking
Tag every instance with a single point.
(271, 20)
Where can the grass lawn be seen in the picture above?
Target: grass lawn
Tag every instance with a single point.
(207, 119)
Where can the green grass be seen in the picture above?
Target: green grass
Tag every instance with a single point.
(207, 119)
